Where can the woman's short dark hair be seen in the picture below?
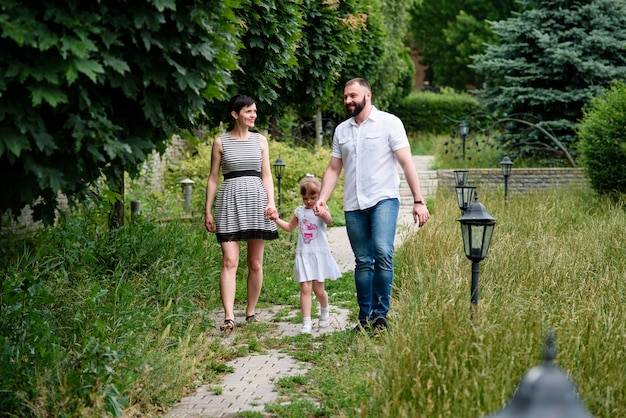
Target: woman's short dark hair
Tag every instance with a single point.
(238, 102)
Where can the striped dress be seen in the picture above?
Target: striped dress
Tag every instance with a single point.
(242, 198)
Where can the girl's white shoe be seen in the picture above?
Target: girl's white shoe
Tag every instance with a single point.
(324, 314)
(306, 328)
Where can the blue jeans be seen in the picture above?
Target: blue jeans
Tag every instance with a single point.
(371, 232)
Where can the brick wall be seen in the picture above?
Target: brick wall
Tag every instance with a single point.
(521, 179)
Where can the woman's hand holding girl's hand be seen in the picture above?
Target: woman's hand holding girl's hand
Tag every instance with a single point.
(271, 212)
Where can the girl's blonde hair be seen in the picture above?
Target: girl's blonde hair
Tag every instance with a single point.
(307, 182)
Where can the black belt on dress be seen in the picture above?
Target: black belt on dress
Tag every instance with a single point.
(241, 173)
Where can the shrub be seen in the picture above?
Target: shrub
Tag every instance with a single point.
(602, 140)
(435, 113)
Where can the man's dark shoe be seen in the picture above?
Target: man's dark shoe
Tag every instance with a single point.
(362, 326)
(380, 325)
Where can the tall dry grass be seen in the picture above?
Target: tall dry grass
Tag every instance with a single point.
(557, 261)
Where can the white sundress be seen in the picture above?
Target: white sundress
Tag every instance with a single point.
(314, 260)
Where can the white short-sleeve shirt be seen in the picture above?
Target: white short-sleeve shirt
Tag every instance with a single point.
(369, 162)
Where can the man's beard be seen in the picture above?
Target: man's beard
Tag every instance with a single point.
(358, 107)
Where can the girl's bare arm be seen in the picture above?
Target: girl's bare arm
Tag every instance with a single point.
(287, 226)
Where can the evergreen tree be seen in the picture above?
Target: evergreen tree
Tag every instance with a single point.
(552, 58)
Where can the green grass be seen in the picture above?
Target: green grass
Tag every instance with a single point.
(423, 143)
(96, 322)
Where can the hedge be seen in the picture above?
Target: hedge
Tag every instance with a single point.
(437, 113)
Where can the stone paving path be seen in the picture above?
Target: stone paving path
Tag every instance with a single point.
(248, 389)
(251, 386)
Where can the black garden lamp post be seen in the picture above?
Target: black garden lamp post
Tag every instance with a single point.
(279, 170)
(464, 195)
(463, 131)
(506, 165)
(477, 228)
(545, 392)
(460, 177)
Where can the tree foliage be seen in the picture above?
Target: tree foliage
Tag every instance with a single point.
(339, 40)
(375, 50)
(551, 59)
(602, 136)
(299, 53)
(271, 33)
(449, 32)
(88, 88)
(382, 56)
(330, 32)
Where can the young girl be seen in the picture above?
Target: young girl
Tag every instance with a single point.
(314, 262)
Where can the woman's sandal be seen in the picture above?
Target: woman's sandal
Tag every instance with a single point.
(228, 325)
(252, 318)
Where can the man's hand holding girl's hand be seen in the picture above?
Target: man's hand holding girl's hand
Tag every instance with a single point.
(320, 208)
(320, 211)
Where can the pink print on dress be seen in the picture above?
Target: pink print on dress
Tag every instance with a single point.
(308, 231)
